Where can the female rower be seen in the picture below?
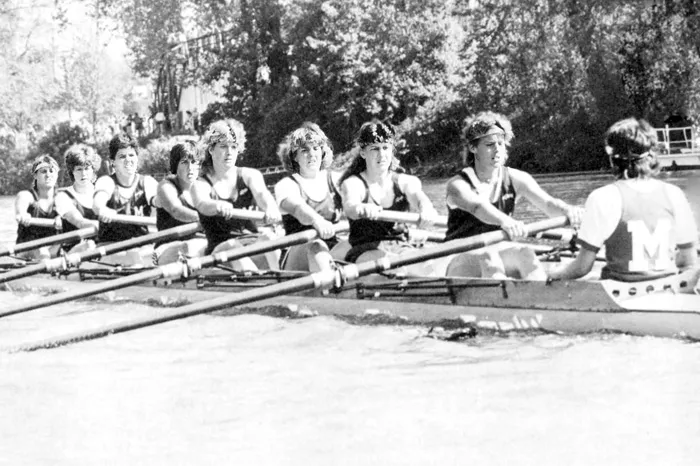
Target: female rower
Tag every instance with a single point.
(176, 206)
(308, 198)
(223, 186)
(645, 224)
(38, 203)
(374, 182)
(481, 198)
(124, 192)
(74, 203)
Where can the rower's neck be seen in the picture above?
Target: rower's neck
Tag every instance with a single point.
(45, 192)
(374, 176)
(83, 188)
(486, 173)
(126, 180)
(309, 174)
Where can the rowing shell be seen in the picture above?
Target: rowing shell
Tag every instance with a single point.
(666, 307)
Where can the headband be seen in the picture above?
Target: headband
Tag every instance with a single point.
(217, 136)
(376, 134)
(491, 130)
(43, 164)
(305, 140)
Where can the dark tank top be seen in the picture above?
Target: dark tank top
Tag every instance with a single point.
(87, 212)
(364, 230)
(30, 233)
(462, 224)
(164, 220)
(219, 229)
(137, 205)
(329, 208)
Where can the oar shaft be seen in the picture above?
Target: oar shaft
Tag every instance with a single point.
(173, 271)
(407, 217)
(59, 262)
(309, 282)
(134, 220)
(38, 243)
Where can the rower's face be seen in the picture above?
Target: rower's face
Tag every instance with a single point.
(224, 154)
(378, 156)
(491, 150)
(83, 174)
(46, 177)
(309, 158)
(187, 170)
(126, 161)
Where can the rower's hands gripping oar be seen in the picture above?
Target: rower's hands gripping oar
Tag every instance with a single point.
(318, 280)
(172, 271)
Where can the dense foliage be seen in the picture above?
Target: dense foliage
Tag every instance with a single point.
(562, 70)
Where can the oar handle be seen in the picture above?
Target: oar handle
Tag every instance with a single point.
(134, 220)
(245, 214)
(407, 217)
(43, 222)
(557, 234)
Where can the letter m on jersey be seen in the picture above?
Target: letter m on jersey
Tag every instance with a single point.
(650, 250)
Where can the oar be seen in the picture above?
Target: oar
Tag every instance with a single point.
(318, 280)
(72, 260)
(170, 271)
(556, 234)
(407, 217)
(43, 222)
(83, 233)
(119, 218)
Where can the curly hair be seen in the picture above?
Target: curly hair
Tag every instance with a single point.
(81, 155)
(306, 135)
(480, 125)
(187, 151)
(631, 144)
(122, 141)
(371, 132)
(228, 130)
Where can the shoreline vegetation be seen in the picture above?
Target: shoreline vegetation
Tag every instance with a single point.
(562, 72)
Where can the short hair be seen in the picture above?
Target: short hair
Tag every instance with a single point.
(306, 135)
(631, 145)
(222, 130)
(371, 132)
(79, 155)
(187, 151)
(122, 141)
(484, 124)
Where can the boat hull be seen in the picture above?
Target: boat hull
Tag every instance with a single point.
(666, 307)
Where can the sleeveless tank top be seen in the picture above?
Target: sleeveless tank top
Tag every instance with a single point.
(643, 244)
(164, 220)
(30, 233)
(462, 224)
(364, 230)
(137, 204)
(218, 229)
(329, 208)
(86, 212)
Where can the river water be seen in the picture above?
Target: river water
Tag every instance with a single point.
(261, 390)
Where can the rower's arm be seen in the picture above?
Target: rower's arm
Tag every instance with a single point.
(412, 187)
(263, 197)
(104, 188)
(167, 198)
(462, 196)
(150, 190)
(67, 210)
(22, 202)
(201, 196)
(526, 186)
(353, 191)
(580, 266)
(290, 201)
